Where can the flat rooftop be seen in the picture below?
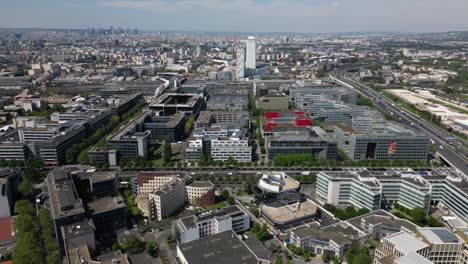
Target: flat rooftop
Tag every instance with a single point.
(106, 204)
(322, 235)
(225, 248)
(284, 214)
(201, 184)
(438, 235)
(173, 100)
(406, 243)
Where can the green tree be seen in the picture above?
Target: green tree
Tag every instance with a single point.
(188, 126)
(225, 194)
(326, 257)
(24, 207)
(418, 215)
(230, 200)
(167, 154)
(151, 249)
(26, 187)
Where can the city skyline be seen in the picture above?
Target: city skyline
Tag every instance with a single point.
(318, 16)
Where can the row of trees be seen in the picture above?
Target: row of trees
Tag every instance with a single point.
(416, 215)
(79, 152)
(347, 213)
(260, 231)
(306, 160)
(30, 236)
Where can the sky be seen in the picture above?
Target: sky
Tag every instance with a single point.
(308, 16)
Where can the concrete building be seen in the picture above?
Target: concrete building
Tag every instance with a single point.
(108, 214)
(194, 227)
(436, 245)
(170, 103)
(66, 207)
(223, 118)
(382, 141)
(8, 180)
(320, 242)
(240, 63)
(251, 56)
(227, 103)
(167, 199)
(146, 182)
(166, 127)
(273, 101)
(201, 193)
(381, 189)
(223, 247)
(315, 142)
(131, 140)
(77, 234)
(277, 182)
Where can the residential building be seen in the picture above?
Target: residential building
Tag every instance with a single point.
(146, 182)
(194, 227)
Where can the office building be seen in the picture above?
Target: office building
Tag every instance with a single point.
(315, 142)
(131, 140)
(194, 227)
(285, 121)
(277, 182)
(223, 247)
(108, 214)
(166, 127)
(251, 56)
(8, 178)
(66, 207)
(167, 199)
(170, 103)
(240, 63)
(382, 141)
(320, 242)
(146, 182)
(380, 189)
(201, 193)
(103, 155)
(223, 118)
(436, 245)
(223, 102)
(273, 101)
(79, 233)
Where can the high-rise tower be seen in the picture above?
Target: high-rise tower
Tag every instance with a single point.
(241, 62)
(251, 55)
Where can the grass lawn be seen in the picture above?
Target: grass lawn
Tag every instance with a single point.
(216, 206)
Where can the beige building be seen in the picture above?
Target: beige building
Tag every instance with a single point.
(201, 193)
(167, 199)
(273, 102)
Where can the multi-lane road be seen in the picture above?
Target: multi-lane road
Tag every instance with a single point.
(452, 151)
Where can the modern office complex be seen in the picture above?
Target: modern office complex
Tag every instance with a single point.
(170, 103)
(315, 142)
(320, 242)
(273, 101)
(429, 245)
(223, 247)
(223, 118)
(166, 127)
(66, 207)
(382, 141)
(277, 182)
(205, 224)
(131, 140)
(375, 190)
(221, 143)
(167, 199)
(108, 214)
(7, 182)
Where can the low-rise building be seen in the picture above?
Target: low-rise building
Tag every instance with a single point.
(223, 247)
(216, 221)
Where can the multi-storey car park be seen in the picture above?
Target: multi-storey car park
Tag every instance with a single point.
(446, 188)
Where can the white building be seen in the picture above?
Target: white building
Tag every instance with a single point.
(251, 55)
(240, 63)
(167, 199)
(209, 223)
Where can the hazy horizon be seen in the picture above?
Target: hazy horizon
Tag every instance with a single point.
(241, 16)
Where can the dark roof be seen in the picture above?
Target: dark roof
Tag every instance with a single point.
(321, 235)
(225, 248)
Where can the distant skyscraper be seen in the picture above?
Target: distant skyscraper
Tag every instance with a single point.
(241, 62)
(198, 51)
(251, 56)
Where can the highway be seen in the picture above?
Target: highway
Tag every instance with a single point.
(452, 151)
